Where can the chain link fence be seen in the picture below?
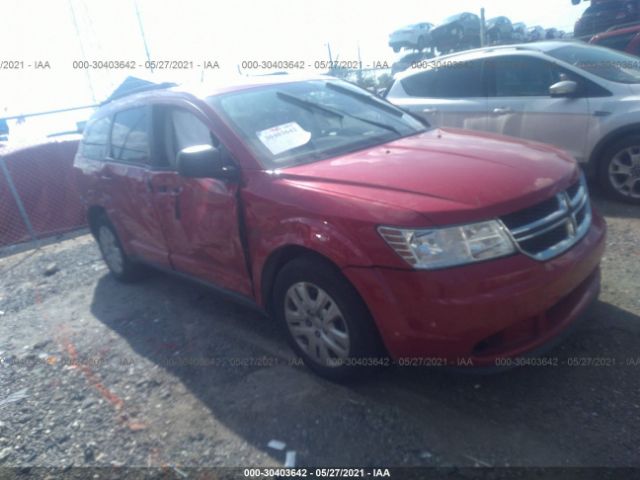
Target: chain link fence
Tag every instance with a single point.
(39, 194)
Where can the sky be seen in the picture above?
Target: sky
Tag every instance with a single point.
(63, 31)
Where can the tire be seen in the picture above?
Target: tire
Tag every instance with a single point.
(119, 264)
(396, 48)
(619, 170)
(421, 43)
(335, 337)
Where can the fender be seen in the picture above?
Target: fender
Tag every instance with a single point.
(297, 236)
(607, 140)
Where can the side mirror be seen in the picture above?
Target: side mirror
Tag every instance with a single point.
(566, 88)
(204, 161)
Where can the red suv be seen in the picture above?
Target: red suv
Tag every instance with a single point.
(364, 232)
(604, 14)
(624, 39)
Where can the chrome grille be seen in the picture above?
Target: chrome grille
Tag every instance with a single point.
(552, 227)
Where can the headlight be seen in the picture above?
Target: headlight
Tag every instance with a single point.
(446, 247)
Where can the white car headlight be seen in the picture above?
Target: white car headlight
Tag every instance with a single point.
(445, 247)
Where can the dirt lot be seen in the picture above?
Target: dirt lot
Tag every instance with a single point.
(168, 373)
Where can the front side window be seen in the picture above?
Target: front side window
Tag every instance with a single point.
(130, 135)
(96, 138)
(523, 77)
(182, 129)
(301, 122)
(447, 80)
(189, 130)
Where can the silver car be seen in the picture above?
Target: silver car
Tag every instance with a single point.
(416, 36)
(581, 98)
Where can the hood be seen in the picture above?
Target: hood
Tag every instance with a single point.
(402, 30)
(443, 172)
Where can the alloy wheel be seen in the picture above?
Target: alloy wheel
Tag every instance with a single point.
(624, 172)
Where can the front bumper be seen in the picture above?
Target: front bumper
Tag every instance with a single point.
(501, 308)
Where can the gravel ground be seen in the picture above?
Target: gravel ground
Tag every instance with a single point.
(165, 372)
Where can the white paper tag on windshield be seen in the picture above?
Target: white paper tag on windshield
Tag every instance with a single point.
(284, 137)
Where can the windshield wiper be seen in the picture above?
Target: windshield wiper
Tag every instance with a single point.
(330, 111)
(307, 104)
(365, 98)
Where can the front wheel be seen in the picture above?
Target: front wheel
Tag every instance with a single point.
(619, 170)
(326, 321)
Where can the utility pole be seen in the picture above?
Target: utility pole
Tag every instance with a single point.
(82, 52)
(329, 50)
(359, 64)
(483, 33)
(144, 38)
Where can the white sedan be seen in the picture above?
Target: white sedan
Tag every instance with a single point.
(412, 36)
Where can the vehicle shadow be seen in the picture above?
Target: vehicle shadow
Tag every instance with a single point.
(400, 416)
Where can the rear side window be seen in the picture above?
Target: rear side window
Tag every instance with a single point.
(96, 137)
(130, 135)
(457, 80)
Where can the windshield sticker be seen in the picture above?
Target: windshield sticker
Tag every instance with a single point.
(284, 137)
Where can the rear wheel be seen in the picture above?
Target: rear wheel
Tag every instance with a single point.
(619, 170)
(326, 321)
(119, 264)
(421, 43)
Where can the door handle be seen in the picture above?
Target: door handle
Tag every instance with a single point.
(429, 110)
(502, 110)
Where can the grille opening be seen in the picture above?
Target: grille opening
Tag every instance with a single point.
(546, 240)
(531, 214)
(507, 339)
(566, 215)
(580, 216)
(573, 189)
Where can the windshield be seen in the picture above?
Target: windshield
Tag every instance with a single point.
(603, 62)
(294, 123)
(453, 18)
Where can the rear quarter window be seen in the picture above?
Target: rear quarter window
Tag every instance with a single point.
(96, 138)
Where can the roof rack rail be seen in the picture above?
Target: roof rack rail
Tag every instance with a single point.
(143, 88)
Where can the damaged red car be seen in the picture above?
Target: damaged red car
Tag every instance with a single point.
(365, 233)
